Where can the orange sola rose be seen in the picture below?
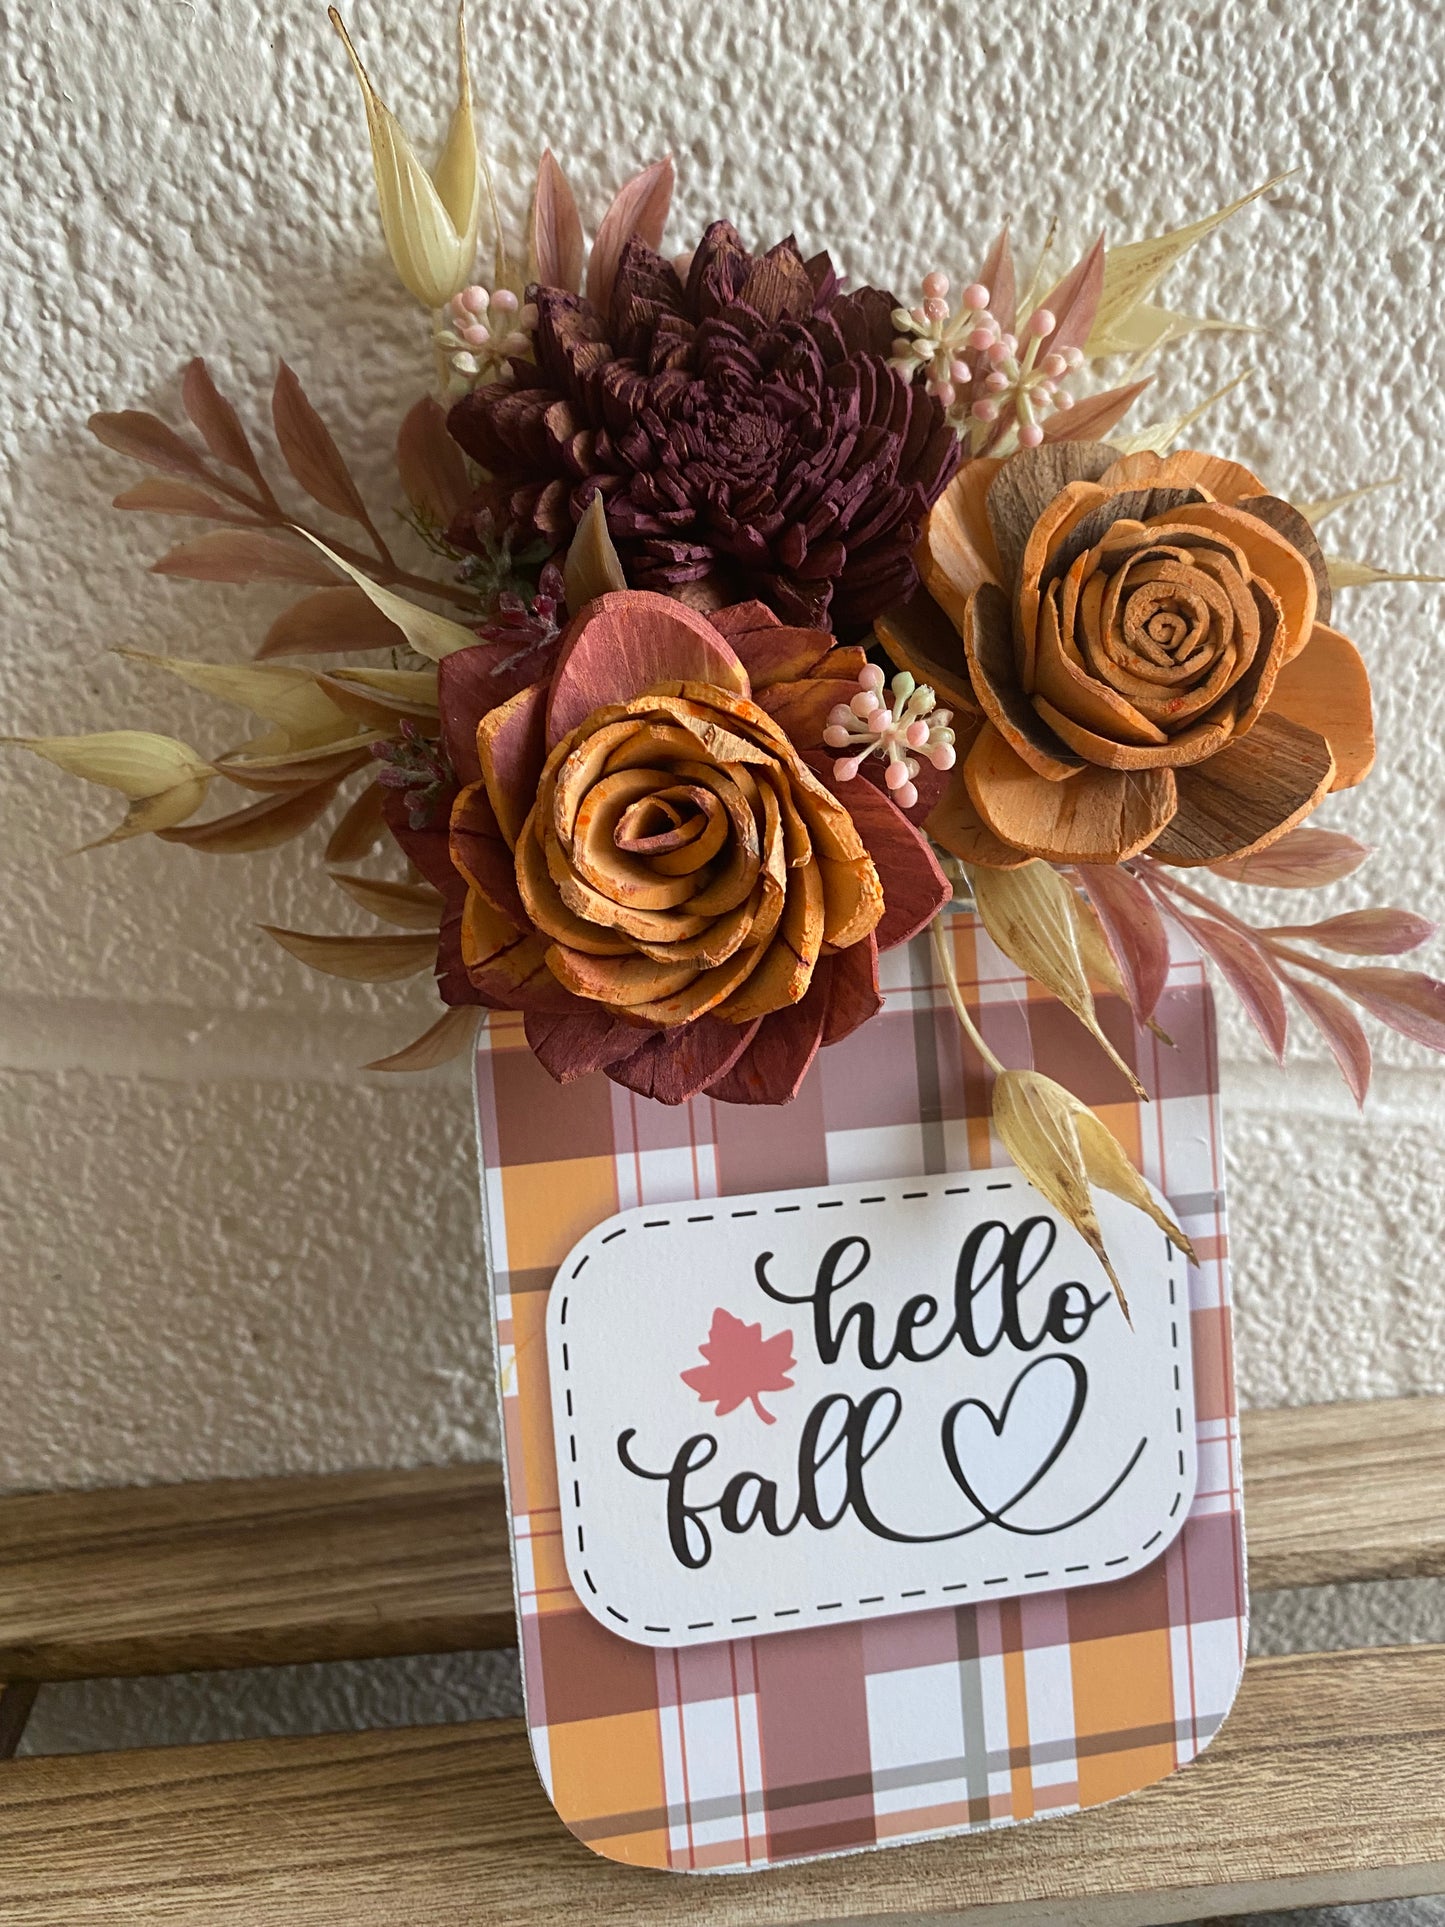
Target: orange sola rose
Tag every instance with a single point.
(1140, 654)
(648, 857)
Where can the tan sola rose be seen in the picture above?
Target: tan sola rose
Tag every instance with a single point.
(1143, 643)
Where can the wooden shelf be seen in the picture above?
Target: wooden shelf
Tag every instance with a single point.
(253, 1572)
(1323, 1786)
(166, 1579)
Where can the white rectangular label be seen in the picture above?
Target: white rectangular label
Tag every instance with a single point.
(801, 1407)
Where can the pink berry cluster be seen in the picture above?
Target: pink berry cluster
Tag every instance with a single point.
(987, 379)
(903, 729)
(487, 332)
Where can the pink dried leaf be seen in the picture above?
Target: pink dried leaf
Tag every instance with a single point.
(265, 825)
(311, 455)
(243, 555)
(361, 828)
(1376, 932)
(1304, 859)
(432, 468)
(1135, 931)
(145, 438)
(1341, 1030)
(1074, 302)
(640, 207)
(1407, 1000)
(997, 275)
(452, 1035)
(558, 253)
(1093, 417)
(333, 621)
(158, 495)
(219, 424)
(1249, 974)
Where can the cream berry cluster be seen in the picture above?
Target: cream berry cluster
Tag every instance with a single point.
(483, 332)
(903, 729)
(976, 368)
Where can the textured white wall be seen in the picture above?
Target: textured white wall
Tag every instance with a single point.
(227, 1251)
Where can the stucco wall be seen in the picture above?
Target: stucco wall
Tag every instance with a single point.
(227, 1251)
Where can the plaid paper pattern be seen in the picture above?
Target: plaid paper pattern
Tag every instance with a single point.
(752, 1752)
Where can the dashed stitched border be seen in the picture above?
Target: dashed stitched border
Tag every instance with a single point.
(878, 1598)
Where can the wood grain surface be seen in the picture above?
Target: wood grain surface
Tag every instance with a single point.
(253, 1572)
(1323, 1785)
(165, 1579)
(1344, 1492)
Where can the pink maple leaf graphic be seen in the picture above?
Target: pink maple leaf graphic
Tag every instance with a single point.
(741, 1366)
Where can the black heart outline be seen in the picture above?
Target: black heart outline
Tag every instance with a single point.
(1081, 1383)
(998, 1420)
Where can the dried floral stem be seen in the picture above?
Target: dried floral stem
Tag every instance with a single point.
(944, 954)
(1261, 938)
(382, 566)
(1156, 880)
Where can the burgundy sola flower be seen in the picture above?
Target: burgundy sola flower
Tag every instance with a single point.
(744, 429)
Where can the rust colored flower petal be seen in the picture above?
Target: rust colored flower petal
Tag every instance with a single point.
(512, 751)
(1096, 816)
(454, 986)
(779, 1057)
(921, 638)
(1327, 689)
(752, 925)
(1225, 481)
(1272, 558)
(1024, 486)
(602, 859)
(957, 554)
(543, 904)
(478, 851)
(707, 990)
(956, 824)
(570, 1044)
(622, 983)
(989, 650)
(631, 640)
(914, 887)
(597, 908)
(1250, 794)
(658, 825)
(673, 1065)
(508, 966)
(784, 972)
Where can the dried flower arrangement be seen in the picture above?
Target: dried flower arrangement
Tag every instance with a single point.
(774, 617)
